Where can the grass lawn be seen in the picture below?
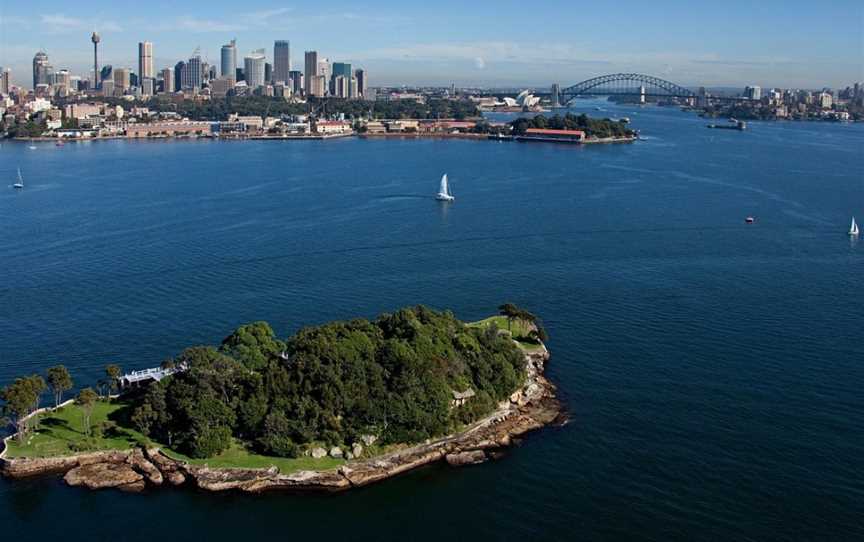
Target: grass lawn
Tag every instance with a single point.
(58, 430)
(239, 457)
(517, 328)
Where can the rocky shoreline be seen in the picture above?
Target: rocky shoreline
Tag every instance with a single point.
(530, 408)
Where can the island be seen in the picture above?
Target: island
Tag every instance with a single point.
(335, 406)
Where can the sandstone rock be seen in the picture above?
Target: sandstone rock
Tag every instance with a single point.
(134, 487)
(466, 458)
(357, 449)
(318, 453)
(336, 452)
(103, 475)
(176, 478)
(139, 463)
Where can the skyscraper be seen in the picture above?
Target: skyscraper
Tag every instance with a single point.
(145, 61)
(311, 71)
(253, 69)
(362, 82)
(296, 80)
(167, 80)
(122, 79)
(281, 61)
(196, 72)
(5, 81)
(325, 69)
(41, 69)
(95, 39)
(180, 71)
(229, 59)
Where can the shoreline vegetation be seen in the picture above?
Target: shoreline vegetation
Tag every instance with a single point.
(332, 407)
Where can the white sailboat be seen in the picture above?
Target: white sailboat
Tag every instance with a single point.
(20, 184)
(444, 193)
(853, 230)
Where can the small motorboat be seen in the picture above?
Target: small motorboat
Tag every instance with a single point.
(749, 220)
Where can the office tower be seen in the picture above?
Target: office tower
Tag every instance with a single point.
(754, 93)
(196, 73)
(352, 88)
(318, 87)
(229, 59)
(167, 80)
(122, 79)
(341, 68)
(295, 81)
(339, 87)
(180, 71)
(147, 86)
(325, 69)
(211, 73)
(281, 61)
(108, 87)
(556, 95)
(362, 82)
(134, 80)
(95, 39)
(145, 60)
(220, 87)
(63, 80)
(41, 69)
(5, 81)
(268, 73)
(253, 69)
(107, 73)
(239, 75)
(311, 70)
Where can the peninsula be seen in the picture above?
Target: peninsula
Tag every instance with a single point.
(335, 406)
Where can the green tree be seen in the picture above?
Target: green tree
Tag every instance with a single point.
(510, 311)
(60, 381)
(113, 372)
(20, 400)
(87, 401)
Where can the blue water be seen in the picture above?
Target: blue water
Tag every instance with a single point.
(712, 370)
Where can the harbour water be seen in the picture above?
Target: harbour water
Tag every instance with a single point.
(712, 369)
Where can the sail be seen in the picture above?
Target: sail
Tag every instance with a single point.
(854, 228)
(445, 190)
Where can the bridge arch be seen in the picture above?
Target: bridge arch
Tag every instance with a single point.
(625, 84)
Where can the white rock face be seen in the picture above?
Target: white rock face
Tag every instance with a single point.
(357, 449)
(336, 452)
(318, 453)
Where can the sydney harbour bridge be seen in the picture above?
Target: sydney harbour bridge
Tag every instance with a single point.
(631, 85)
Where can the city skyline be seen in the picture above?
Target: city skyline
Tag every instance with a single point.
(469, 46)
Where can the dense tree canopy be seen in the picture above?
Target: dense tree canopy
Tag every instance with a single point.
(592, 127)
(393, 377)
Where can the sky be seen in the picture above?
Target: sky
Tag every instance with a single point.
(788, 43)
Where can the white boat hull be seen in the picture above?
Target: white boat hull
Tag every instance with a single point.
(445, 197)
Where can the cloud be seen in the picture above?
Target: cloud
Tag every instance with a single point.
(197, 25)
(261, 17)
(58, 23)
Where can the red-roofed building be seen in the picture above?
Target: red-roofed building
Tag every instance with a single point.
(542, 134)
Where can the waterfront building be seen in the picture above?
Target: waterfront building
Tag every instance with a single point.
(229, 59)
(362, 82)
(41, 69)
(254, 69)
(826, 100)
(122, 79)
(311, 71)
(281, 61)
(167, 80)
(145, 60)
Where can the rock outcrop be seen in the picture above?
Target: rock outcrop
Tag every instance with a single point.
(529, 408)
